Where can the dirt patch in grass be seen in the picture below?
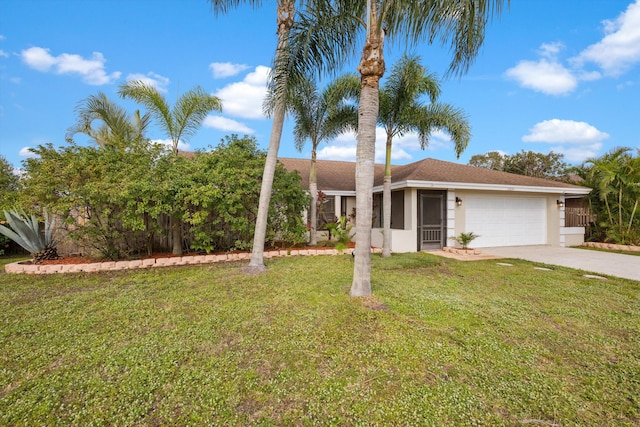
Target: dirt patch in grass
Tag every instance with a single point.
(372, 303)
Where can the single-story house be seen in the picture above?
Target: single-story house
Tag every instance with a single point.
(433, 200)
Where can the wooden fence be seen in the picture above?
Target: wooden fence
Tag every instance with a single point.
(577, 217)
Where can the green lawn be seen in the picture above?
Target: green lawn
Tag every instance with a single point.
(442, 343)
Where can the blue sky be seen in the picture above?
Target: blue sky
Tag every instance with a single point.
(552, 75)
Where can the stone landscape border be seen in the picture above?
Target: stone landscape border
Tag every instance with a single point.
(18, 268)
(612, 246)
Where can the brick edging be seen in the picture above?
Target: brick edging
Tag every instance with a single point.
(460, 251)
(17, 268)
(612, 246)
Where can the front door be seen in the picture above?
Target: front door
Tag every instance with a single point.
(431, 229)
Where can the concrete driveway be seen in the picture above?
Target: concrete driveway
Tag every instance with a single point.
(598, 262)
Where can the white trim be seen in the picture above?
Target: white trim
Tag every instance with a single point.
(452, 186)
(339, 193)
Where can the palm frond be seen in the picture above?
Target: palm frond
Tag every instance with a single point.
(450, 119)
(191, 109)
(325, 35)
(116, 129)
(151, 98)
(221, 7)
(459, 24)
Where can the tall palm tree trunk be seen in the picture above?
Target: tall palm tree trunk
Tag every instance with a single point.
(259, 237)
(620, 223)
(313, 212)
(386, 202)
(633, 213)
(176, 235)
(371, 69)
(176, 221)
(285, 21)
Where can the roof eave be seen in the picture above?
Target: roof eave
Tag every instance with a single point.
(485, 187)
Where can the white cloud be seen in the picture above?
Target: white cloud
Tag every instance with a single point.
(620, 47)
(550, 50)
(404, 148)
(227, 125)
(578, 154)
(576, 140)
(548, 77)
(221, 70)
(152, 79)
(338, 152)
(566, 131)
(182, 146)
(26, 152)
(3, 54)
(244, 99)
(91, 70)
(38, 58)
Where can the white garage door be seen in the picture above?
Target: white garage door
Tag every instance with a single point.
(506, 220)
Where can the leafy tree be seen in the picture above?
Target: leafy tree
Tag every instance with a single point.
(491, 160)
(9, 184)
(179, 123)
(401, 111)
(327, 36)
(320, 116)
(529, 163)
(224, 193)
(92, 188)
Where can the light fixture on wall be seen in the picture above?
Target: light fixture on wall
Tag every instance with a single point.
(458, 201)
(560, 203)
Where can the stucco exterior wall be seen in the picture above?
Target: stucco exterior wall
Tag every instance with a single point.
(555, 234)
(406, 240)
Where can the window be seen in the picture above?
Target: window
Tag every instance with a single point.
(397, 210)
(326, 210)
(376, 218)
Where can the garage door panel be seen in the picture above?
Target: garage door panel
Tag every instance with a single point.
(506, 221)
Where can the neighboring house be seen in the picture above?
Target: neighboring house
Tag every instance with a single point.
(434, 200)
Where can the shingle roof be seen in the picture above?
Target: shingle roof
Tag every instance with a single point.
(340, 176)
(330, 174)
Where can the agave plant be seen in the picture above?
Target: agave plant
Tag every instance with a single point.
(25, 231)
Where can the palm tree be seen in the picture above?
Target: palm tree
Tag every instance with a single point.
(187, 115)
(402, 112)
(320, 116)
(179, 123)
(329, 32)
(277, 86)
(616, 178)
(117, 128)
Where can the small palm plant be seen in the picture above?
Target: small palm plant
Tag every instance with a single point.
(341, 229)
(464, 239)
(25, 231)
